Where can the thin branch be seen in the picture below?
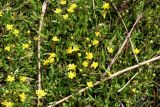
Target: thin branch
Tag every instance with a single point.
(107, 78)
(132, 46)
(124, 43)
(94, 8)
(44, 6)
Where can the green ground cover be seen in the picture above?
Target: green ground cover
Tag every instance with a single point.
(79, 39)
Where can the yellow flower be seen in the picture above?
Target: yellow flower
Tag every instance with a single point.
(45, 62)
(36, 38)
(110, 50)
(25, 46)
(79, 54)
(28, 31)
(106, 6)
(7, 103)
(10, 78)
(73, 5)
(89, 55)
(72, 67)
(90, 84)
(134, 90)
(58, 10)
(22, 78)
(55, 39)
(63, 2)
(9, 26)
(70, 10)
(69, 50)
(1, 13)
(136, 51)
(97, 33)
(76, 48)
(65, 16)
(40, 93)
(94, 65)
(95, 42)
(50, 60)
(71, 75)
(52, 55)
(16, 32)
(22, 97)
(7, 48)
(85, 63)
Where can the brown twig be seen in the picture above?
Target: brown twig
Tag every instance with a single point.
(44, 6)
(94, 8)
(107, 78)
(122, 46)
(132, 46)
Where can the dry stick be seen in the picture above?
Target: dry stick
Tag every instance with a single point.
(107, 78)
(132, 46)
(93, 2)
(122, 46)
(44, 6)
(82, 90)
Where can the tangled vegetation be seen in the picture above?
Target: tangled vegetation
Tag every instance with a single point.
(78, 41)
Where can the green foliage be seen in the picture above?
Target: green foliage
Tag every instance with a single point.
(79, 32)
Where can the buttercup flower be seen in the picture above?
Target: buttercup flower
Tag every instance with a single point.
(9, 26)
(90, 84)
(85, 63)
(110, 50)
(69, 50)
(95, 42)
(52, 55)
(70, 10)
(97, 33)
(7, 103)
(79, 54)
(7, 48)
(106, 6)
(16, 32)
(58, 10)
(76, 48)
(65, 16)
(50, 60)
(22, 78)
(89, 55)
(73, 5)
(40, 93)
(55, 39)
(28, 31)
(72, 67)
(25, 46)
(36, 38)
(94, 65)
(46, 62)
(10, 78)
(63, 2)
(71, 75)
(22, 97)
(136, 51)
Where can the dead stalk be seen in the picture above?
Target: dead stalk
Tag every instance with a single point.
(108, 78)
(44, 6)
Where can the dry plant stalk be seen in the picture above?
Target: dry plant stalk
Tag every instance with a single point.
(119, 51)
(107, 78)
(132, 46)
(123, 44)
(44, 6)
